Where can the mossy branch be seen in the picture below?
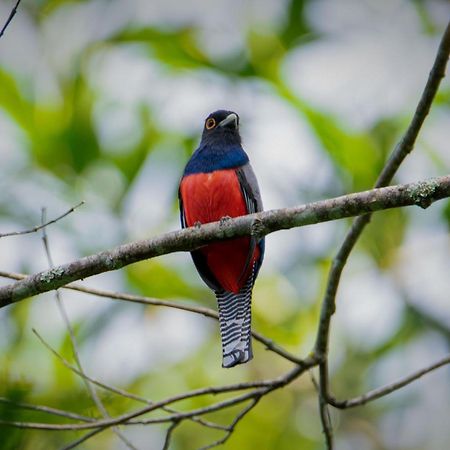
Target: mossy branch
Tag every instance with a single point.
(422, 194)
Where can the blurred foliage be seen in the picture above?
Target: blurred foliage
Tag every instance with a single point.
(62, 139)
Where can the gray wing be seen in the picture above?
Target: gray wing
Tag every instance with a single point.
(250, 188)
(252, 196)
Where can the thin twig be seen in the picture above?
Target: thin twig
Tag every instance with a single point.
(42, 225)
(73, 341)
(420, 193)
(403, 148)
(82, 439)
(385, 390)
(233, 424)
(119, 391)
(260, 389)
(200, 411)
(129, 395)
(169, 434)
(325, 418)
(126, 419)
(85, 376)
(10, 17)
(314, 381)
(323, 410)
(207, 312)
(47, 410)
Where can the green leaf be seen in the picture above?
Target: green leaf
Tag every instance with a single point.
(156, 279)
(175, 47)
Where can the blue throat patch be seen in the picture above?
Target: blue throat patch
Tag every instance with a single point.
(208, 158)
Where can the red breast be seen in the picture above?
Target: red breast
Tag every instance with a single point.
(207, 197)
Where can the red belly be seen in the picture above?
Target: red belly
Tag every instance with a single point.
(207, 197)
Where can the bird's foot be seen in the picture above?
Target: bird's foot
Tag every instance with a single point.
(224, 220)
(197, 224)
(257, 228)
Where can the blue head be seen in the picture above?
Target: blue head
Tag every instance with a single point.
(220, 147)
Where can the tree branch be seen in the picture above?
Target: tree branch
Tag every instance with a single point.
(257, 389)
(10, 17)
(169, 433)
(402, 150)
(116, 390)
(324, 412)
(207, 312)
(47, 410)
(82, 439)
(42, 225)
(233, 424)
(385, 390)
(62, 310)
(421, 193)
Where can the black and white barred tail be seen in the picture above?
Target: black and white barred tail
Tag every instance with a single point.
(235, 325)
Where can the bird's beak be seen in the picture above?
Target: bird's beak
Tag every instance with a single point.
(231, 121)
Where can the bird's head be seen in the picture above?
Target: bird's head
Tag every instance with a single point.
(222, 126)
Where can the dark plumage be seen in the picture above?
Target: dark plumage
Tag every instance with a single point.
(220, 147)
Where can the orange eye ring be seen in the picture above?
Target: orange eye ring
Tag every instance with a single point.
(210, 123)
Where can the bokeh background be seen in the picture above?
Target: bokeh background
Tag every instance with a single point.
(104, 101)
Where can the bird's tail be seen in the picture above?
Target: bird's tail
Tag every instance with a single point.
(235, 325)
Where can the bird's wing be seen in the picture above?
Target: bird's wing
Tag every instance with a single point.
(250, 188)
(180, 203)
(253, 201)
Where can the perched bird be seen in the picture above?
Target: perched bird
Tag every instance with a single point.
(219, 183)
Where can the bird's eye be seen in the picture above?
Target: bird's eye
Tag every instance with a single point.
(210, 123)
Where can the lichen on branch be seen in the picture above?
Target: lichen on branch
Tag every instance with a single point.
(423, 193)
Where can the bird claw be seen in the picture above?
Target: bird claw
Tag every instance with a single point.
(197, 224)
(257, 228)
(224, 220)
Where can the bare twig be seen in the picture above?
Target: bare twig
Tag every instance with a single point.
(385, 390)
(207, 312)
(169, 433)
(233, 424)
(257, 389)
(73, 341)
(116, 390)
(307, 363)
(421, 193)
(47, 410)
(10, 17)
(402, 149)
(126, 419)
(324, 412)
(42, 225)
(85, 376)
(82, 439)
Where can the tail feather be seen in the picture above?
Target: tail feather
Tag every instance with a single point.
(235, 324)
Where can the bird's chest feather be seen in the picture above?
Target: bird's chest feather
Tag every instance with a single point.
(207, 197)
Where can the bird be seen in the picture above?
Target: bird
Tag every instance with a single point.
(218, 183)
